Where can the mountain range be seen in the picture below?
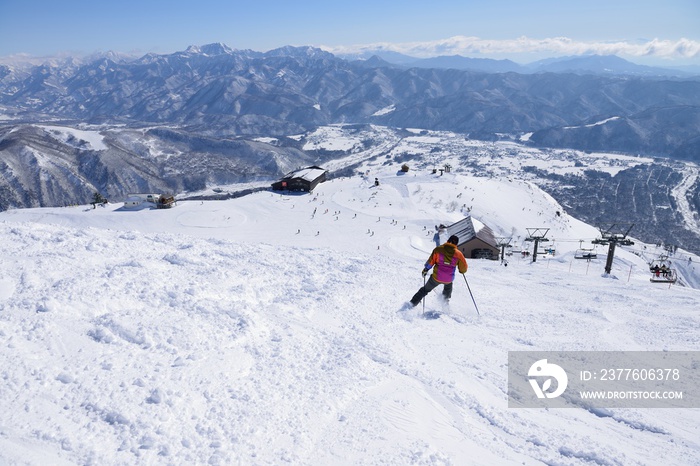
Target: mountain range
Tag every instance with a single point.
(609, 65)
(213, 115)
(219, 91)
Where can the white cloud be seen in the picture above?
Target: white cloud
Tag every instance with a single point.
(462, 45)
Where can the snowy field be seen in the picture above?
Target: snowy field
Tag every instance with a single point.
(266, 330)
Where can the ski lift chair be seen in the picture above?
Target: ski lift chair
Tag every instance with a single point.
(670, 277)
(587, 254)
(661, 272)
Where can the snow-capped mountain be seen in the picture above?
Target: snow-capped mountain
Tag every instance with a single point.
(267, 329)
(220, 91)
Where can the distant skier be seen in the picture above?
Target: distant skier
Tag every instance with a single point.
(443, 260)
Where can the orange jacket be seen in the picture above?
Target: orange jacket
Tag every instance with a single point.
(444, 259)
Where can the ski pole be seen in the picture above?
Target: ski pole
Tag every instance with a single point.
(423, 296)
(470, 294)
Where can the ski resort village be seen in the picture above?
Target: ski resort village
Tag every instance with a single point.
(272, 327)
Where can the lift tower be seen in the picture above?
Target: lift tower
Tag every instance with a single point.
(538, 236)
(503, 243)
(613, 234)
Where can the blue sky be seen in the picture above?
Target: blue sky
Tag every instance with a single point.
(640, 30)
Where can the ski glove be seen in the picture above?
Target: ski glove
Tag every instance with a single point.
(425, 271)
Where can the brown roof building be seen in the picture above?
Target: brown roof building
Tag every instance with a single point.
(476, 240)
(304, 179)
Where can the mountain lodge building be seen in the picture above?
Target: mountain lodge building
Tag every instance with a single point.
(303, 179)
(476, 240)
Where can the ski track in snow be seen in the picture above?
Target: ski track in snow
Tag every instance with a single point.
(214, 333)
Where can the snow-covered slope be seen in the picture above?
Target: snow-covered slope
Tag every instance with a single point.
(266, 330)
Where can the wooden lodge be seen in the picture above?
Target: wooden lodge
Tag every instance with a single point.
(476, 240)
(304, 180)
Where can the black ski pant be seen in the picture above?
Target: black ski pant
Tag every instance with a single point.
(430, 286)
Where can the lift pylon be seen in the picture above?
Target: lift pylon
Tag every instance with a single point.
(613, 234)
(538, 236)
(503, 243)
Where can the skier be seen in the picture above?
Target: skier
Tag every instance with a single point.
(443, 260)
